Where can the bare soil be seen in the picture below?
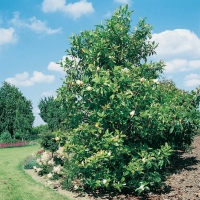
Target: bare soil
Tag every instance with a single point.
(183, 182)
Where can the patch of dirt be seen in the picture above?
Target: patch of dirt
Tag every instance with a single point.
(182, 184)
(184, 181)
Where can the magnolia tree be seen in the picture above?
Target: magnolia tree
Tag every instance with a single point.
(124, 123)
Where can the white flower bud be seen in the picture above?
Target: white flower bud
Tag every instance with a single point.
(156, 81)
(132, 113)
(141, 187)
(89, 88)
(143, 160)
(79, 83)
(125, 70)
(109, 153)
(142, 79)
(75, 187)
(50, 175)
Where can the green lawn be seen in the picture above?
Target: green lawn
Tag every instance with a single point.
(15, 184)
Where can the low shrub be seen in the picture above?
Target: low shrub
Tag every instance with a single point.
(51, 141)
(50, 165)
(30, 162)
(48, 142)
(6, 137)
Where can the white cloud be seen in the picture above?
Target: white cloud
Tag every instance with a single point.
(34, 24)
(192, 80)
(181, 65)
(181, 43)
(53, 5)
(123, 1)
(24, 79)
(55, 67)
(40, 77)
(7, 36)
(74, 10)
(180, 49)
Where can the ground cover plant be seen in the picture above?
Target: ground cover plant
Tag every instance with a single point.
(123, 121)
(15, 184)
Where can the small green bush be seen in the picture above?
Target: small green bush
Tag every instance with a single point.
(51, 141)
(30, 162)
(18, 135)
(46, 169)
(6, 137)
(48, 142)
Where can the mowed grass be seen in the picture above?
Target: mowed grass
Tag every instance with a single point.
(15, 184)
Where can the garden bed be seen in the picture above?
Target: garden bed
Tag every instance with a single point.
(15, 144)
(183, 182)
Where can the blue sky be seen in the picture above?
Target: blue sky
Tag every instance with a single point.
(34, 37)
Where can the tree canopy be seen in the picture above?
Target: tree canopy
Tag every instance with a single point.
(52, 112)
(15, 111)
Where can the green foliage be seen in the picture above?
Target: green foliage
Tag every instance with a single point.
(16, 111)
(53, 140)
(51, 112)
(19, 136)
(123, 121)
(41, 129)
(38, 131)
(30, 162)
(71, 175)
(6, 137)
(26, 136)
(48, 142)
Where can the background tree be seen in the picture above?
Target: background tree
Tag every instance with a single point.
(38, 130)
(124, 122)
(51, 111)
(16, 111)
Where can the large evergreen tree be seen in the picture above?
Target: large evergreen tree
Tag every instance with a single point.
(15, 111)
